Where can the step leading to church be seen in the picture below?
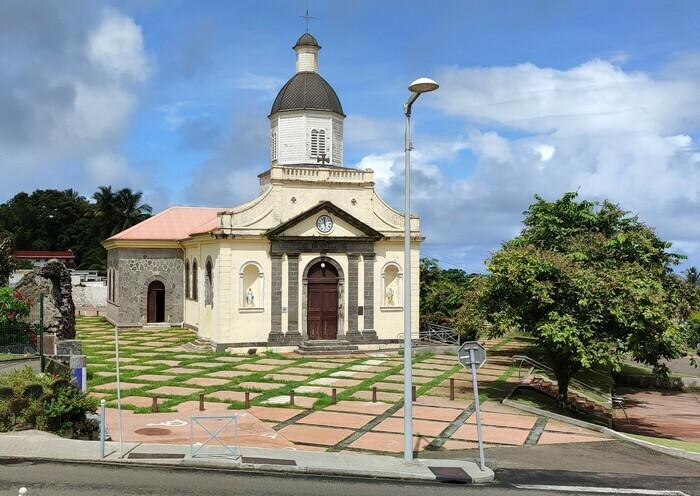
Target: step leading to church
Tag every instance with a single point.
(327, 347)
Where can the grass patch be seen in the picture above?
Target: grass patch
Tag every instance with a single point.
(669, 443)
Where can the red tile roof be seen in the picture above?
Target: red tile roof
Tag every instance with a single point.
(172, 224)
(44, 254)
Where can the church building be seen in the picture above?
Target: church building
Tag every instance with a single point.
(315, 262)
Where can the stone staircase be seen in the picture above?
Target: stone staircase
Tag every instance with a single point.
(575, 401)
(327, 347)
(198, 346)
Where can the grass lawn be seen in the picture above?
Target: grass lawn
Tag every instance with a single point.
(154, 358)
(669, 443)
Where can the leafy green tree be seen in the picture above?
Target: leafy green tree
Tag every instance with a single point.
(592, 283)
(442, 293)
(59, 220)
(8, 262)
(691, 277)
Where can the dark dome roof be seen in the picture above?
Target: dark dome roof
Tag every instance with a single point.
(306, 39)
(307, 91)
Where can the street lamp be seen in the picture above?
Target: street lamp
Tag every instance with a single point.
(420, 85)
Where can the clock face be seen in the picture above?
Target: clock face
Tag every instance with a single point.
(324, 224)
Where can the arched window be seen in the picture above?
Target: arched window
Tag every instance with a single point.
(187, 278)
(318, 142)
(391, 285)
(251, 287)
(209, 282)
(194, 279)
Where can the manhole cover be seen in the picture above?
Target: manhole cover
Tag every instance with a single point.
(152, 431)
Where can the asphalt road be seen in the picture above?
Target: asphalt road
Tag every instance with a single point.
(619, 466)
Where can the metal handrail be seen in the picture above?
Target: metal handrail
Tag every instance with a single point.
(535, 364)
(436, 333)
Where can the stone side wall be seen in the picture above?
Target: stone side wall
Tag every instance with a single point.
(137, 268)
(90, 297)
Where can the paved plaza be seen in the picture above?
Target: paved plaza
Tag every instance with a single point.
(154, 364)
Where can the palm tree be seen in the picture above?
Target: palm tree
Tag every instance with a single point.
(129, 209)
(73, 194)
(692, 277)
(105, 208)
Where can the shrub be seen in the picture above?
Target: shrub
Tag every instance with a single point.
(13, 305)
(62, 412)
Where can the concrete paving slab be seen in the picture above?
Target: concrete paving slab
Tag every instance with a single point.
(504, 420)
(205, 381)
(124, 386)
(382, 396)
(388, 443)
(335, 382)
(549, 437)
(174, 391)
(154, 377)
(272, 413)
(255, 367)
(495, 435)
(317, 389)
(337, 419)
(432, 413)
(231, 395)
(366, 407)
(309, 434)
(228, 374)
(182, 371)
(302, 401)
(420, 427)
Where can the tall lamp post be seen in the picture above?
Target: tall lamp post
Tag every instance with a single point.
(421, 85)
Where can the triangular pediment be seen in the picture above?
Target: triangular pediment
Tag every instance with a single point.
(305, 225)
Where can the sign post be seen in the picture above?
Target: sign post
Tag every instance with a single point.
(119, 392)
(473, 355)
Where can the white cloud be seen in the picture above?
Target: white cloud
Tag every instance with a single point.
(116, 45)
(609, 133)
(545, 152)
(258, 82)
(72, 105)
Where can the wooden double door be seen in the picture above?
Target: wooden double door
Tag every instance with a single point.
(322, 298)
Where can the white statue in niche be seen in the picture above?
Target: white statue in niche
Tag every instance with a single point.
(250, 298)
(390, 297)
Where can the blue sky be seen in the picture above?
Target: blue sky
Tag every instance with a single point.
(171, 97)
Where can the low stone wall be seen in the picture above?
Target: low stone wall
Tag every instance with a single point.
(651, 382)
(90, 297)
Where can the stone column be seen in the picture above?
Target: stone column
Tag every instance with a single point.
(369, 333)
(276, 334)
(293, 333)
(353, 333)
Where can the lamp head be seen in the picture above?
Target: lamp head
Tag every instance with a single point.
(423, 85)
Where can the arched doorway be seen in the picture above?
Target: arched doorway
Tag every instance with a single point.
(156, 302)
(322, 310)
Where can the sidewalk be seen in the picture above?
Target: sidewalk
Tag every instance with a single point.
(35, 445)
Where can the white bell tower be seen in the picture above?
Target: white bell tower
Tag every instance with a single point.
(306, 120)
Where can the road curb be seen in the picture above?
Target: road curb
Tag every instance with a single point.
(189, 464)
(676, 452)
(40, 447)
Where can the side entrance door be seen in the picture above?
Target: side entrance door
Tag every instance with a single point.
(155, 311)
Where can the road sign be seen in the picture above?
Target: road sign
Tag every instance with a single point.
(479, 353)
(472, 355)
